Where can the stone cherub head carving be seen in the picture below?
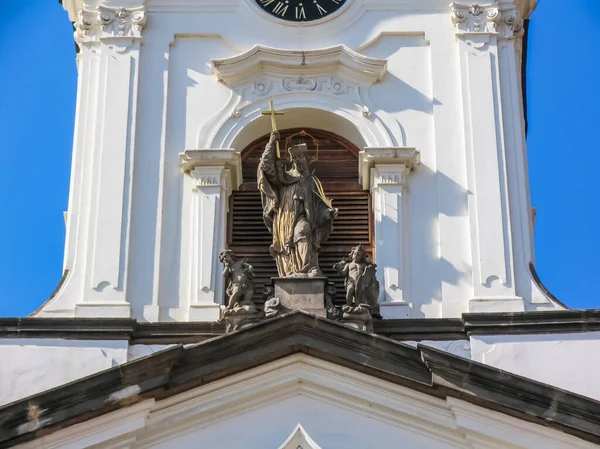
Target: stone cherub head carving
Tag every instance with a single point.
(358, 254)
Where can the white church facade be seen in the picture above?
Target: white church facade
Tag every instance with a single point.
(413, 114)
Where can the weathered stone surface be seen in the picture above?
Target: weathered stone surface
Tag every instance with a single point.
(241, 317)
(307, 294)
(358, 317)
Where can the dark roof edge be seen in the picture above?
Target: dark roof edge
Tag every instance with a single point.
(414, 329)
(175, 370)
(535, 322)
(514, 395)
(421, 329)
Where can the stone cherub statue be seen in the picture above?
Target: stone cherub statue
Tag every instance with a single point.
(362, 286)
(295, 210)
(239, 286)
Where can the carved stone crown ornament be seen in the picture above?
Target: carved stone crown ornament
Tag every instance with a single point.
(490, 18)
(109, 23)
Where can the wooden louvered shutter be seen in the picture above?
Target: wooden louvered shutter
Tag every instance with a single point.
(337, 168)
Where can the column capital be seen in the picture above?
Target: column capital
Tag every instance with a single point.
(105, 23)
(207, 166)
(389, 175)
(392, 164)
(217, 176)
(487, 19)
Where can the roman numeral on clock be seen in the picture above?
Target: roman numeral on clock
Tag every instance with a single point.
(280, 8)
(300, 13)
(321, 9)
(300, 10)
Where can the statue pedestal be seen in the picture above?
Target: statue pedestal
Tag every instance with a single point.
(241, 317)
(306, 294)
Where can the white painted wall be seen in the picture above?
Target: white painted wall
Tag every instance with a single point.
(34, 365)
(452, 91)
(567, 361)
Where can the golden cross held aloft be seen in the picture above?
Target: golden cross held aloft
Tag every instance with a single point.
(272, 112)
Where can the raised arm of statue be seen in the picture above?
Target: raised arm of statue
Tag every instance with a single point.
(268, 160)
(342, 268)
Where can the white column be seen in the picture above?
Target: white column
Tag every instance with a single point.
(111, 36)
(510, 56)
(387, 170)
(212, 174)
(491, 245)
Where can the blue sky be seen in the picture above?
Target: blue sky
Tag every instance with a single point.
(38, 82)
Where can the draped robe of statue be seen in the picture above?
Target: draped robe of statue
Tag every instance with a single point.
(294, 212)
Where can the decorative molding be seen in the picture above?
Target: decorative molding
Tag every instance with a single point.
(298, 65)
(104, 22)
(511, 25)
(489, 18)
(370, 157)
(228, 159)
(210, 177)
(389, 175)
(475, 18)
(300, 84)
(334, 80)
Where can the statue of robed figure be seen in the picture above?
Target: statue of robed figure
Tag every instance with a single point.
(295, 210)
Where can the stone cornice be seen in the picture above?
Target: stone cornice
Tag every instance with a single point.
(524, 323)
(104, 22)
(339, 60)
(521, 323)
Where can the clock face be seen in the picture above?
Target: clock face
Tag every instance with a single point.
(300, 10)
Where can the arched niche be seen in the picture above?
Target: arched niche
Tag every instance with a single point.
(327, 88)
(335, 159)
(307, 118)
(236, 125)
(337, 168)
